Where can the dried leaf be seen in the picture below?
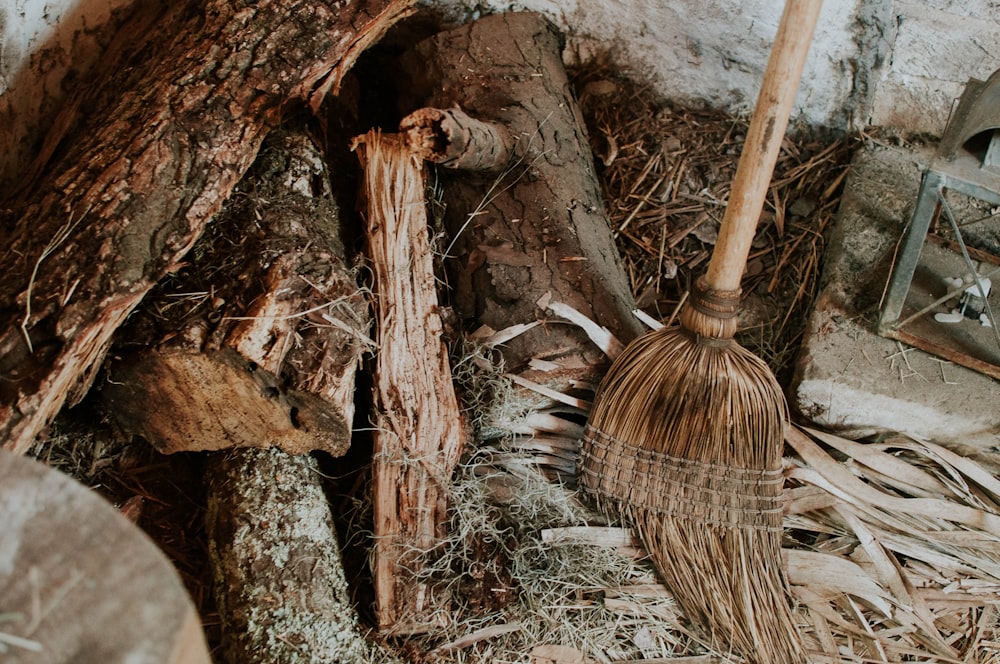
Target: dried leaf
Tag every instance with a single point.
(553, 654)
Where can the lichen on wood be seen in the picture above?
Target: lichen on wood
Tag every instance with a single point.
(280, 584)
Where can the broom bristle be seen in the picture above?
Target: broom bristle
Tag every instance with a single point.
(685, 441)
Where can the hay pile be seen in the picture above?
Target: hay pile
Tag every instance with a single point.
(666, 172)
(892, 544)
(893, 548)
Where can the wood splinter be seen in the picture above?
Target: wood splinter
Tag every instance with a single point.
(419, 433)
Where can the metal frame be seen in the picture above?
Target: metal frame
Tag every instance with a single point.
(964, 174)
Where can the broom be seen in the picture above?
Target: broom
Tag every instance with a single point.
(686, 432)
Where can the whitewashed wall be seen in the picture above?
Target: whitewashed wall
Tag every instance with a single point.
(41, 41)
(882, 62)
(937, 46)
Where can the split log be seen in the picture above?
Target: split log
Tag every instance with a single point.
(145, 172)
(261, 347)
(279, 580)
(528, 224)
(80, 582)
(418, 434)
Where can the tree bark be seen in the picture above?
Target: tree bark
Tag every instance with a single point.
(455, 140)
(265, 356)
(528, 226)
(263, 347)
(419, 434)
(279, 580)
(127, 200)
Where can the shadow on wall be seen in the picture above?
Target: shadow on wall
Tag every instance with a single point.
(47, 50)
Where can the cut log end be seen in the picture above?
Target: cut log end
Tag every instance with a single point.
(183, 401)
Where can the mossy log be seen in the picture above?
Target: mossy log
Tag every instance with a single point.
(279, 579)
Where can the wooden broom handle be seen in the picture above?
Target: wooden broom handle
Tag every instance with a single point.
(763, 141)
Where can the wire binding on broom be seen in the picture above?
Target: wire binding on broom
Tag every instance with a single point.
(702, 492)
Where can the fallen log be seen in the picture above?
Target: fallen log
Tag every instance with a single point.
(525, 213)
(279, 579)
(126, 200)
(264, 355)
(256, 342)
(418, 433)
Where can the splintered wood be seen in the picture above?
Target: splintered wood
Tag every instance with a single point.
(419, 433)
(266, 355)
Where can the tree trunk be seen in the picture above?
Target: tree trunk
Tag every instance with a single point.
(530, 221)
(419, 434)
(133, 192)
(261, 347)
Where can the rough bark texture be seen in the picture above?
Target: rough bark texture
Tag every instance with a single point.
(419, 434)
(123, 204)
(257, 341)
(279, 581)
(80, 582)
(539, 225)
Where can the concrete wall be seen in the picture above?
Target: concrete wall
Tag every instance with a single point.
(937, 45)
(883, 62)
(878, 62)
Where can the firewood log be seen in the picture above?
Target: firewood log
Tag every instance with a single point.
(419, 432)
(82, 583)
(524, 206)
(255, 343)
(144, 171)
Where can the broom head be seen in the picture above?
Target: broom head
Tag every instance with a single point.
(684, 441)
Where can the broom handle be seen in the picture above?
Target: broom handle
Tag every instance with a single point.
(763, 142)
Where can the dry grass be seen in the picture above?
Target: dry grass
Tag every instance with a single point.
(891, 546)
(666, 172)
(893, 551)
